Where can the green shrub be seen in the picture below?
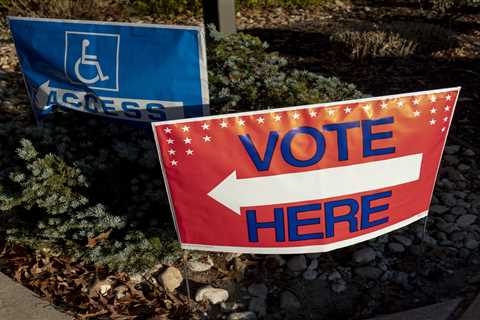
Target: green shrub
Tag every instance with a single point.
(45, 209)
(398, 39)
(244, 76)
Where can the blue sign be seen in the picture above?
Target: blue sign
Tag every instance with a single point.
(134, 72)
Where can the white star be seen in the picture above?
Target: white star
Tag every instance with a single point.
(207, 138)
(448, 97)
(185, 128)
(433, 110)
(170, 141)
(241, 122)
(433, 121)
(331, 112)
(347, 110)
(400, 103)
(174, 162)
(189, 152)
(447, 108)
(205, 126)
(187, 140)
(296, 116)
(277, 117)
(223, 124)
(171, 152)
(167, 130)
(260, 120)
(416, 113)
(384, 105)
(443, 129)
(433, 98)
(366, 107)
(445, 119)
(416, 101)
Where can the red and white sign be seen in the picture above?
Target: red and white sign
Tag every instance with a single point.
(304, 179)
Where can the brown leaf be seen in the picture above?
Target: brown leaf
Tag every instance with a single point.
(101, 237)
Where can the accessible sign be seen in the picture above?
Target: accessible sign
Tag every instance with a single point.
(135, 72)
(304, 179)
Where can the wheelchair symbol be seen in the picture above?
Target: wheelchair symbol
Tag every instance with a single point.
(91, 60)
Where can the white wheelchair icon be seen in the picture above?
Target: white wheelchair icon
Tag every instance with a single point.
(89, 60)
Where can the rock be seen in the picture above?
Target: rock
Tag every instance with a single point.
(452, 149)
(313, 265)
(469, 153)
(120, 292)
(466, 220)
(247, 315)
(471, 244)
(310, 275)
(458, 211)
(451, 160)
(439, 209)
(274, 261)
(449, 199)
(213, 295)
(446, 227)
(364, 255)
(258, 290)
(339, 286)
(232, 255)
(368, 272)
(297, 263)
(104, 288)
(200, 266)
(396, 247)
(231, 306)
(407, 242)
(457, 236)
(171, 278)
(334, 276)
(289, 301)
(463, 167)
(258, 306)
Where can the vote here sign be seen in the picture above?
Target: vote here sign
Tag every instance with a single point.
(304, 179)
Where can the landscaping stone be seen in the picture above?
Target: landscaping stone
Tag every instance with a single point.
(364, 255)
(258, 290)
(297, 263)
(171, 278)
(246, 315)
(396, 247)
(289, 301)
(466, 220)
(407, 242)
(258, 305)
(200, 266)
(368, 272)
(213, 295)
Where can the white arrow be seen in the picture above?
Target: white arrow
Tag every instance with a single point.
(235, 193)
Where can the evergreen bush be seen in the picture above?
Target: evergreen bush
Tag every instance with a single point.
(244, 76)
